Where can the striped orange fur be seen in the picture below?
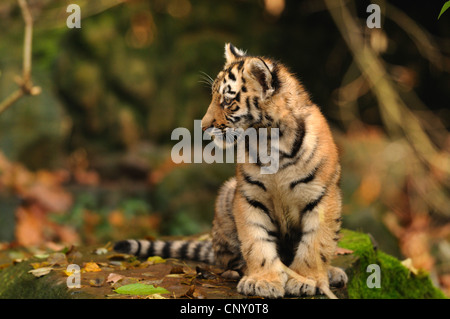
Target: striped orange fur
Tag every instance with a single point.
(265, 221)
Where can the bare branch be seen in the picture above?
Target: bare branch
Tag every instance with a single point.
(25, 85)
(27, 45)
(397, 117)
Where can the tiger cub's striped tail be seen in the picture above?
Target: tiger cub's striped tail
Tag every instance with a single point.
(198, 250)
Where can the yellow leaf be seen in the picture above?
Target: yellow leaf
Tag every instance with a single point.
(92, 267)
(68, 273)
(39, 265)
(155, 260)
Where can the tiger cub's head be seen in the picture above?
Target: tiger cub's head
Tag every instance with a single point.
(240, 93)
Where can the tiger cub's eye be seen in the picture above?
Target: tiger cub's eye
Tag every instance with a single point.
(227, 100)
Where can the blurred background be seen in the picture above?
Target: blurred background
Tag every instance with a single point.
(85, 128)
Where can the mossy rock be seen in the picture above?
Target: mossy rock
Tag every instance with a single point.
(17, 283)
(396, 281)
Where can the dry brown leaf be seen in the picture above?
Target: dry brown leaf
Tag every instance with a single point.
(203, 273)
(192, 293)
(343, 251)
(97, 282)
(57, 259)
(113, 278)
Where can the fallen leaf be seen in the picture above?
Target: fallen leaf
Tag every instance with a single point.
(74, 255)
(57, 259)
(97, 282)
(203, 273)
(91, 267)
(16, 255)
(343, 251)
(68, 273)
(112, 277)
(102, 264)
(39, 265)
(101, 251)
(174, 276)
(140, 289)
(155, 260)
(39, 272)
(116, 263)
(42, 256)
(191, 293)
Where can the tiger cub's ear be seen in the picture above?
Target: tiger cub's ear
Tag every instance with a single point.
(232, 53)
(259, 71)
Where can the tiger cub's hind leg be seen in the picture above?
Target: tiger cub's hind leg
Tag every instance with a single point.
(226, 243)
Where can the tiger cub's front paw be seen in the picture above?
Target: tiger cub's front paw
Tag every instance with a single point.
(258, 286)
(297, 288)
(337, 277)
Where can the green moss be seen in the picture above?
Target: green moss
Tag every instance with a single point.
(397, 282)
(17, 283)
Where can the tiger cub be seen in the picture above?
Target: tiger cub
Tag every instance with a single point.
(265, 222)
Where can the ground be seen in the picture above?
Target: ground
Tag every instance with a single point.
(105, 274)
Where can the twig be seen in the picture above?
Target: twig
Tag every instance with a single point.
(25, 85)
(28, 39)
